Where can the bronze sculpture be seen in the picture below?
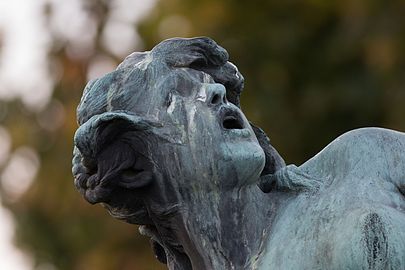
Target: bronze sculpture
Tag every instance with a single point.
(163, 143)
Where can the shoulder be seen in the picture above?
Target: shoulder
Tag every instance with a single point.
(363, 151)
(374, 134)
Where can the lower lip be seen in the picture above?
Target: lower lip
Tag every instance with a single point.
(243, 133)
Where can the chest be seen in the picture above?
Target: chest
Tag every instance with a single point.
(344, 227)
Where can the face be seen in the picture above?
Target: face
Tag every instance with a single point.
(210, 138)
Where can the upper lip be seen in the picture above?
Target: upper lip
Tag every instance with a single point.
(231, 118)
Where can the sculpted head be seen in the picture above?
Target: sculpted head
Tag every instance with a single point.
(163, 127)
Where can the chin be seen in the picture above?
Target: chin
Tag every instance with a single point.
(243, 161)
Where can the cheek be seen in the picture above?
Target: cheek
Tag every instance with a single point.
(201, 125)
(189, 125)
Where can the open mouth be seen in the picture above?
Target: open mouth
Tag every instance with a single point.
(231, 119)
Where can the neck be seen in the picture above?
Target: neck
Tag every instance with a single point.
(225, 230)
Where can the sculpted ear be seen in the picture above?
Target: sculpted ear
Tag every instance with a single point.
(111, 163)
(100, 130)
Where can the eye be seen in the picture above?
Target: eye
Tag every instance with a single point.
(184, 84)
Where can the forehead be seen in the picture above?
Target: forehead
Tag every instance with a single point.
(187, 76)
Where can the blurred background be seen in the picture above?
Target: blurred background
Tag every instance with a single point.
(313, 68)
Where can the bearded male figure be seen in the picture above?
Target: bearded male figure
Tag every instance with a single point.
(163, 143)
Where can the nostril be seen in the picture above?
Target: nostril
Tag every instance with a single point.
(216, 99)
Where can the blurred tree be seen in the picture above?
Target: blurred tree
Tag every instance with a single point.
(54, 224)
(314, 69)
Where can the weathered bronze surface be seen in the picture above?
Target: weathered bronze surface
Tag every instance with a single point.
(163, 143)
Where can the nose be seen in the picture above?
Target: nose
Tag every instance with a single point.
(216, 94)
